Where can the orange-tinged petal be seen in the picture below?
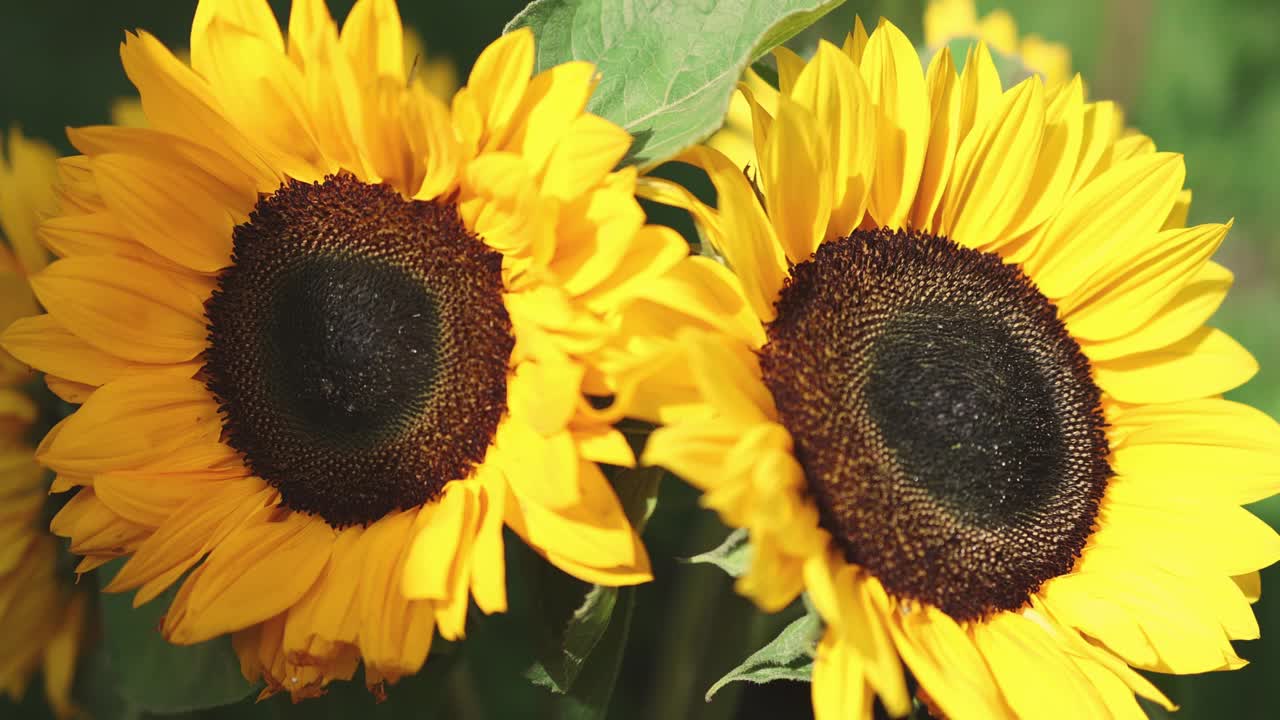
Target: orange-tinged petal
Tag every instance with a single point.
(195, 231)
(177, 100)
(254, 574)
(132, 421)
(125, 307)
(43, 343)
(373, 38)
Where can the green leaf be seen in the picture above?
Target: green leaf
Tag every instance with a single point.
(637, 489)
(569, 642)
(154, 676)
(589, 698)
(668, 67)
(787, 657)
(733, 555)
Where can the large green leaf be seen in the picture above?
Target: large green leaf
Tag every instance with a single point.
(668, 67)
(150, 674)
(787, 657)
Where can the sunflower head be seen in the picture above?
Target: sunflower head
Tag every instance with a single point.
(331, 334)
(956, 383)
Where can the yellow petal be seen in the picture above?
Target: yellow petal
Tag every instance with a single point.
(593, 534)
(1141, 278)
(729, 375)
(839, 687)
(591, 147)
(1033, 674)
(256, 573)
(221, 178)
(430, 137)
(177, 100)
(488, 564)
(993, 168)
(96, 233)
(1205, 363)
(541, 469)
(28, 178)
(187, 533)
(373, 39)
(895, 79)
(42, 343)
(554, 100)
(1056, 164)
(1128, 201)
(1184, 313)
(1187, 535)
(795, 171)
(745, 236)
(1178, 445)
(499, 79)
(194, 232)
(944, 138)
(132, 421)
(944, 660)
(831, 87)
(855, 43)
(125, 307)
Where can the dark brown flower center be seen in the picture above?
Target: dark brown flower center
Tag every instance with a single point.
(359, 347)
(948, 424)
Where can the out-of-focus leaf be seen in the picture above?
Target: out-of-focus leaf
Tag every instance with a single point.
(787, 657)
(668, 67)
(589, 698)
(155, 676)
(733, 555)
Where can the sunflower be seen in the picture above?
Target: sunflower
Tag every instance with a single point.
(331, 334)
(948, 20)
(43, 615)
(958, 386)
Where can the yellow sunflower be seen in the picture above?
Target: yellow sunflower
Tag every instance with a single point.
(958, 386)
(331, 334)
(948, 20)
(42, 615)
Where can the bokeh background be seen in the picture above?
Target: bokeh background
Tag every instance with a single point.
(1200, 78)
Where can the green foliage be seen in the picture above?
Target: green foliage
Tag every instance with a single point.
(668, 69)
(151, 675)
(733, 555)
(787, 657)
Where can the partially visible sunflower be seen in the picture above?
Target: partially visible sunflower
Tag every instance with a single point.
(331, 334)
(949, 20)
(42, 613)
(957, 384)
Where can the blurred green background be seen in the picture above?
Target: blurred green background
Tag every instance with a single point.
(1200, 78)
